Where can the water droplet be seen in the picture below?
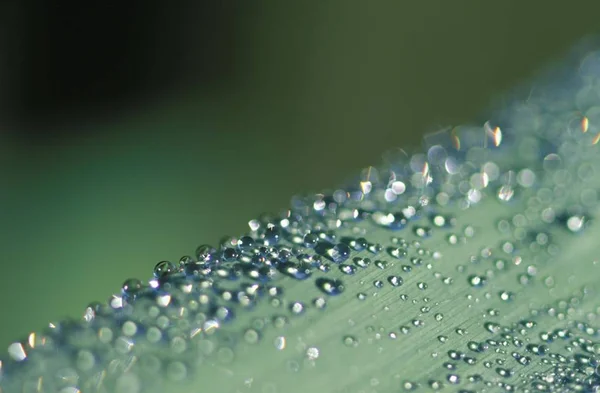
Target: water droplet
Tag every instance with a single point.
(230, 254)
(575, 223)
(461, 332)
(360, 244)
(245, 243)
(381, 264)
(350, 341)
(375, 248)
(393, 221)
(299, 271)
(132, 287)
(330, 286)
(348, 269)
(310, 240)
(398, 252)
(297, 308)
(506, 296)
(339, 253)
(476, 281)
(422, 232)
(396, 281)
(163, 269)
(280, 343)
(204, 253)
(251, 336)
(320, 303)
(362, 262)
(272, 235)
(418, 323)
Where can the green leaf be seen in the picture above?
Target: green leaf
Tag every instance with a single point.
(470, 266)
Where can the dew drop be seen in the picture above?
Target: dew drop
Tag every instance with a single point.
(575, 223)
(347, 269)
(280, 343)
(230, 254)
(299, 271)
(350, 341)
(506, 296)
(320, 303)
(132, 287)
(245, 243)
(336, 253)
(399, 252)
(163, 269)
(330, 286)
(297, 308)
(362, 262)
(272, 234)
(204, 253)
(381, 264)
(395, 281)
(476, 281)
(310, 240)
(312, 353)
(251, 336)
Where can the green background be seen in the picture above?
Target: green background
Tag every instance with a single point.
(315, 91)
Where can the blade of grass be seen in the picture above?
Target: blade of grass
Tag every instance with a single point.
(478, 271)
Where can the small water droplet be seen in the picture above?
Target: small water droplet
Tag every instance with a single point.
(506, 296)
(312, 353)
(320, 303)
(330, 286)
(297, 308)
(163, 269)
(245, 243)
(310, 240)
(132, 287)
(204, 253)
(395, 281)
(251, 336)
(347, 269)
(350, 341)
(476, 280)
(398, 252)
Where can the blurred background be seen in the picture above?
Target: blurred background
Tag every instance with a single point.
(132, 132)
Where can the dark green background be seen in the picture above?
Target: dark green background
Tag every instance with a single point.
(295, 98)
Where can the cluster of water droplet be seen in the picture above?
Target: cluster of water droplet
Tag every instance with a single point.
(396, 241)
